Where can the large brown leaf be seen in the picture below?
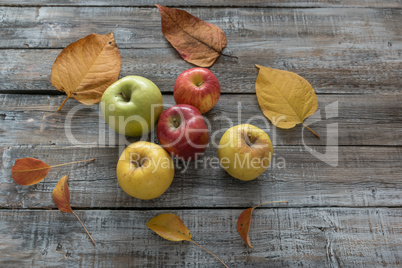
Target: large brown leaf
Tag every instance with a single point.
(197, 41)
(86, 68)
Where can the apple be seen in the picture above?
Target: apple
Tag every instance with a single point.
(245, 151)
(132, 105)
(182, 131)
(198, 87)
(145, 170)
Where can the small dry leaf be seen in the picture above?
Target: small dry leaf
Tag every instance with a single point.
(61, 196)
(197, 41)
(29, 171)
(244, 221)
(86, 68)
(285, 98)
(171, 227)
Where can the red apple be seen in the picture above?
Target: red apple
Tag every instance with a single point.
(198, 87)
(182, 131)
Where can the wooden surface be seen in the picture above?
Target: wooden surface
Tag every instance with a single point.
(340, 214)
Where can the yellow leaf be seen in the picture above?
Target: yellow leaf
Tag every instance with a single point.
(86, 68)
(285, 98)
(170, 227)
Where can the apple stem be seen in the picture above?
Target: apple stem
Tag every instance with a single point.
(124, 96)
(318, 136)
(63, 103)
(175, 123)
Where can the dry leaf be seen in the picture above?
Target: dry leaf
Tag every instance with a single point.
(285, 98)
(244, 221)
(197, 41)
(86, 68)
(28, 171)
(171, 227)
(61, 196)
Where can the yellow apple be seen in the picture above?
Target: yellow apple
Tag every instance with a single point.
(245, 151)
(145, 170)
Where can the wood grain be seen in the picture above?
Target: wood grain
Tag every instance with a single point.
(320, 28)
(355, 120)
(336, 50)
(283, 237)
(363, 176)
(207, 3)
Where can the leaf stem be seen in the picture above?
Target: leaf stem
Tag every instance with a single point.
(318, 136)
(210, 253)
(270, 202)
(230, 56)
(73, 163)
(84, 227)
(58, 109)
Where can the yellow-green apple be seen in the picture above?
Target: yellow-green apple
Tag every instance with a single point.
(145, 170)
(183, 132)
(132, 105)
(198, 87)
(245, 151)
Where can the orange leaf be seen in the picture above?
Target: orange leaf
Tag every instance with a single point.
(86, 68)
(244, 221)
(28, 171)
(285, 98)
(170, 227)
(61, 196)
(197, 41)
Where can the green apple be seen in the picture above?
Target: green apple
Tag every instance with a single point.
(245, 151)
(131, 106)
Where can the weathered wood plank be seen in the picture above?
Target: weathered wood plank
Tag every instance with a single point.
(338, 71)
(341, 120)
(208, 3)
(363, 176)
(362, 53)
(56, 27)
(284, 237)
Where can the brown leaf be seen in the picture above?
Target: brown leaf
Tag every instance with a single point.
(244, 221)
(86, 68)
(28, 171)
(285, 98)
(197, 41)
(170, 227)
(61, 196)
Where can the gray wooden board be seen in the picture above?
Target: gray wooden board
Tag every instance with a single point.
(354, 119)
(208, 3)
(345, 215)
(329, 70)
(336, 50)
(281, 237)
(245, 28)
(363, 176)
